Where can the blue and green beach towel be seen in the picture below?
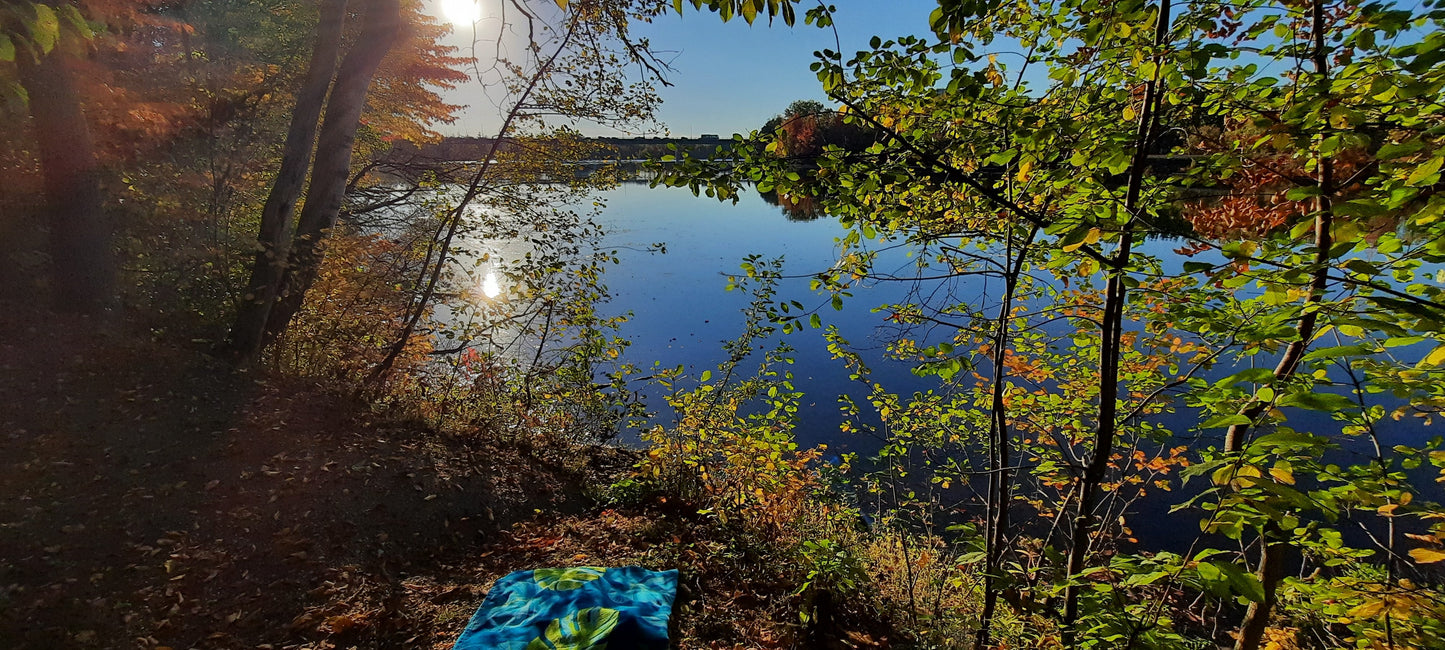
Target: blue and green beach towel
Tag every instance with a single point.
(580, 608)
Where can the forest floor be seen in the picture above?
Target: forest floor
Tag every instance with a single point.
(153, 496)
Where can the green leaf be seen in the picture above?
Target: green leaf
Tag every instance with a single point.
(7, 48)
(1425, 174)
(1337, 351)
(750, 11)
(1255, 375)
(46, 30)
(1244, 584)
(77, 21)
(1287, 440)
(1141, 579)
(1360, 208)
(1224, 421)
(706, 375)
(1213, 578)
(1328, 402)
(566, 579)
(1396, 150)
(1302, 193)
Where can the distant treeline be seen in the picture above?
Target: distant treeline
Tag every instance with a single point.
(455, 149)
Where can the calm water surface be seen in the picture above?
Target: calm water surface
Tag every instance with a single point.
(680, 313)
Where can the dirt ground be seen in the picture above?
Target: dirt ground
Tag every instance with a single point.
(152, 496)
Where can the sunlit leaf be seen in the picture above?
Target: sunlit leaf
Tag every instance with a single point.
(46, 30)
(1427, 555)
(1435, 358)
(1426, 173)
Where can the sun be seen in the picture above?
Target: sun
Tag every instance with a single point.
(461, 12)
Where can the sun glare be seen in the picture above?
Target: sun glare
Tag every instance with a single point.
(490, 287)
(461, 12)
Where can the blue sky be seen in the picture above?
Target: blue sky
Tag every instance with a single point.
(731, 77)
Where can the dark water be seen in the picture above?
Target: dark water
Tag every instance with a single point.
(681, 314)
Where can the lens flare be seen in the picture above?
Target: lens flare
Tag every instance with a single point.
(461, 12)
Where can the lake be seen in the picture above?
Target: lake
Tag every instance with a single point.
(680, 313)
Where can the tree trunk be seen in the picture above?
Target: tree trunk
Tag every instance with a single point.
(1000, 478)
(1111, 346)
(269, 266)
(1270, 573)
(83, 268)
(1272, 557)
(381, 31)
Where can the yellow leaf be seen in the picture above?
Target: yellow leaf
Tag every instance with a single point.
(1435, 358)
(1368, 609)
(1427, 555)
(1025, 168)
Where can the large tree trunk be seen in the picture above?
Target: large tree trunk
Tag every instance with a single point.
(268, 269)
(381, 31)
(83, 276)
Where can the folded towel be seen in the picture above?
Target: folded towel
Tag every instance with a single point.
(574, 609)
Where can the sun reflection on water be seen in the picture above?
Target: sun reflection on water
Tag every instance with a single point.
(490, 287)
